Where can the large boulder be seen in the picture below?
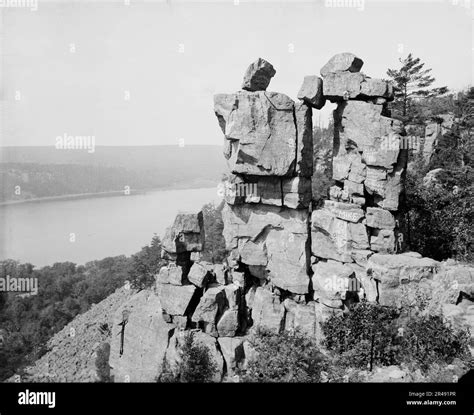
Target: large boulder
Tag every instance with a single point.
(331, 281)
(261, 131)
(210, 309)
(185, 235)
(258, 75)
(267, 310)
(379, 218)
(145, 338)
(333, 237)
(342, 62)
(397, 273)
(345, 85)
(200, 274)
(171, 274)
(311, 92)
(361, 125)
(280, 233)
(176, 300)
(340, 86)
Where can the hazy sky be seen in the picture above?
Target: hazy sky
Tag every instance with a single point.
(145, 73)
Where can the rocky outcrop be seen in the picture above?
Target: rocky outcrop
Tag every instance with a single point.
(139, 339)
(289, 266)
(72, 352)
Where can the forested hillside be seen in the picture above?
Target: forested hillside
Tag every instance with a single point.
(35, 172)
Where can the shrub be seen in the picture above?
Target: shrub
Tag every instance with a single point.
(365, 336)
(196, 364)
(431, 340)
(285, 357)
(102, 363)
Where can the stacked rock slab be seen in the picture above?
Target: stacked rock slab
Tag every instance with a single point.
(199, 297)
(361, 217)
(269, 149)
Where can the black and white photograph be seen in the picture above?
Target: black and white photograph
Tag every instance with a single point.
(256, 193)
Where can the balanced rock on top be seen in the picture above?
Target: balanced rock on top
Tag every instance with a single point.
(258, 75)
(342, 62)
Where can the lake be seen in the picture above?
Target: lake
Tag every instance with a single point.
(83, 230)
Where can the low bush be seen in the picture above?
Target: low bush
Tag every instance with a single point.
(284, 357)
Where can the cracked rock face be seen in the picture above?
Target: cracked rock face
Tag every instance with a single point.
(261, 132)
(185, 235)
(145, 339)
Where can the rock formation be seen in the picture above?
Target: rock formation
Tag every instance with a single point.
(289, 266)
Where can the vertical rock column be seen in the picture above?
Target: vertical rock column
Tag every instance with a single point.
(368, 168)
(268, 147)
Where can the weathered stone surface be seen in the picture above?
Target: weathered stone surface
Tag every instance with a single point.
(262, 130)
(199, 274)
(258, 75)
(378, 155)
(383, 241)
(244, 189)
(237, 278)
(361, 256)
(390, 198)
(233, 295)
(145, 339)
(376, 181)
(304, 140)
(175, 299)
(334, 238)
(220, 271)
(254, 254)
(361, 125)
(170, 274)
(345, 85)
(376, 88)
(368, 286)
(228, 324)
(282, 231)
(267, 311)
(210, 309)
(311, 92)
(345, 211)
(301, 317)
(358, 170)
(379, 218)
(353, 188)
(432, 134)
(195, 256)
(342, 86)
(185, 235)
(331, 282)
(393, 271)
(296, 192)
(232, 349)
(258, 271)
(342, 62)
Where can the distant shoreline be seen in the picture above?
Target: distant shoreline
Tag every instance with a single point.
(110, 193)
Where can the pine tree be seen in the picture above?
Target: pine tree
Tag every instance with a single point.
(412, 82)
